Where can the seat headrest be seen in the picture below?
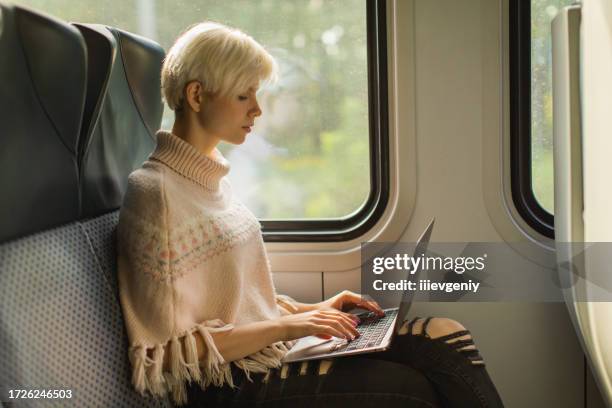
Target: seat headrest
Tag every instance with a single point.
(142, 60)
(101, 54)
(124, 110)
(43, 73)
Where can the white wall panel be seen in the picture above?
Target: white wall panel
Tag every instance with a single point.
(303, 286)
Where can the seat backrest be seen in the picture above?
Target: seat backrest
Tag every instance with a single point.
(121, 132)
(124, 118)
(43, 74)
(120, 137)
(61, 325)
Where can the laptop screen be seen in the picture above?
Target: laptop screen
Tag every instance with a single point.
(408, 295)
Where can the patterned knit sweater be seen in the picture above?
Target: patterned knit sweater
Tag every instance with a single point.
(190, 258)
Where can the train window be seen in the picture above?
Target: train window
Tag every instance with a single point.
(531, 110)
(311, 169)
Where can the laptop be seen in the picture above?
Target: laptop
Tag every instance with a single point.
(375, 334)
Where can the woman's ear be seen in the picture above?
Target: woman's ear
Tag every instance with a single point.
(194, 95)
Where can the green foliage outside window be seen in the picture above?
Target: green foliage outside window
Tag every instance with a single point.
(542, 178)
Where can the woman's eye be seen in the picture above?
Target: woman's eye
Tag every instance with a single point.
(242, 98)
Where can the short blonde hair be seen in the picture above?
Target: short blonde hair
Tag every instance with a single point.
(225, 60)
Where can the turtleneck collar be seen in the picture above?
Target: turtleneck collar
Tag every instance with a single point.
(189, 162)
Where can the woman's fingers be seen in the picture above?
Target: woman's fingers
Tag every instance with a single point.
(349, 331)
(370, 305)
(349, 318)
(362, 301)
(350, 327)
(341, 323)
(329, 330)
(374, 307)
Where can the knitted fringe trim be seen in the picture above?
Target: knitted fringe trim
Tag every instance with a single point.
(147, 372)
(262, 361)
(147, 375)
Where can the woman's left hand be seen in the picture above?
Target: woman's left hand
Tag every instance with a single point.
(347, 300)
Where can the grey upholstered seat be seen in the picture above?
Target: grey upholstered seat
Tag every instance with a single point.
(118, 138)
(61, 325)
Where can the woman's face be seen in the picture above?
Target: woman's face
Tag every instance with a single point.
(230, 118)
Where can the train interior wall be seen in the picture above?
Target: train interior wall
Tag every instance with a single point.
(449, 113)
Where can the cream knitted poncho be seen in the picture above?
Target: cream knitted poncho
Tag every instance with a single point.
(191, 258)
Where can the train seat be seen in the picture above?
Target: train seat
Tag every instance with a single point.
(121, 132)
(61, 325)
(40, 128)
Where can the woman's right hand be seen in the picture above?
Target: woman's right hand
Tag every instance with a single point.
(322, 323)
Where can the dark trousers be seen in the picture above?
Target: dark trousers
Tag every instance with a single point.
(416, 372)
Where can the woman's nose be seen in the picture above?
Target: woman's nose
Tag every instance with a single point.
(256, 110)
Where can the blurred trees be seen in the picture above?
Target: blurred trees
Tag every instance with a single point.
(542, 13)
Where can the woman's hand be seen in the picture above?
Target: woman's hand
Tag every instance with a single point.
(322, 323)
(347, 300)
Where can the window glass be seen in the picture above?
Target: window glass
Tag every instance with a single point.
(542, 177)
(308, 155)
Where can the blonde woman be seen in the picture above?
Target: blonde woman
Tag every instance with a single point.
(204, 321)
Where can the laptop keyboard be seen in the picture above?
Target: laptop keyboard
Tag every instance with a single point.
(371, 333)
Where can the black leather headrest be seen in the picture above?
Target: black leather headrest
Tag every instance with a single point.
(43, 74)
(101, 54)
(124, 117)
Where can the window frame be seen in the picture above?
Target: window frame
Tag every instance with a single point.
(357, 224)
(520, 121)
